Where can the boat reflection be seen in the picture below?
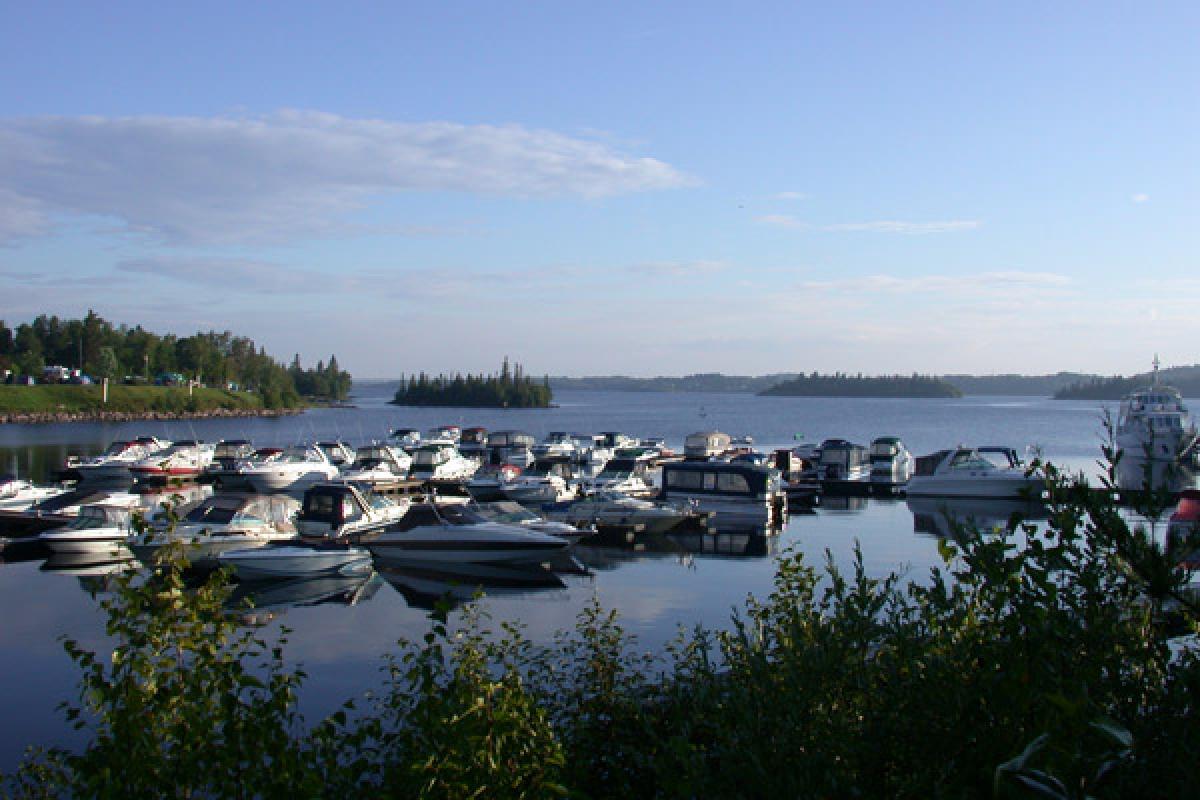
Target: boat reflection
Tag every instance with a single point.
(91, 564)
(424, 584)
(262, 600)
(844, 502)
(1140, 474)
(939, 516)
(609, 549)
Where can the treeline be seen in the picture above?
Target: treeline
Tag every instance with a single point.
(1185, 379)
(102, 350)
(842, 385)
(698, 382)
(1017, 385)
(510, 388)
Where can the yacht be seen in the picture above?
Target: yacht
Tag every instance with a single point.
(1154, 424)
(455, 533)
(704, 445)
(346, 511)
(623, 475)
(511, 447)
(967, 472)
(557, 444)
(114, 463)
(293, 470)
(98, 530)
(843, 461)
(407, 438)
(588, 451)
(17, 494)
(891, 462)
(545, 482)
(616, 510)
(223, 522)
(444, 433)
(442, 462)
(738, 494)
(228, 457)
(473, 442)
(182, 460)
(339, 453)
(490, 480)
(378, 464)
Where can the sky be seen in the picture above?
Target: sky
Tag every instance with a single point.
(613, 188)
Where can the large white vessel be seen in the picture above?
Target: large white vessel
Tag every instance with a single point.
(114, 463)
(964, 472)
(224, 522)
(1154, 424)
(441, 461)
(182, 460)
(98, 530)
(295, 470)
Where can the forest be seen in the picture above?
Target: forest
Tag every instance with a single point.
(842, 385)
(510, 388)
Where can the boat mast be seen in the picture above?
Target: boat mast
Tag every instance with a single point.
(1154, 381)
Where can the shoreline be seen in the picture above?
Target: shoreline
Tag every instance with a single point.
(51, 417)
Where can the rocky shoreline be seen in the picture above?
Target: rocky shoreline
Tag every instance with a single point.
(48, 417)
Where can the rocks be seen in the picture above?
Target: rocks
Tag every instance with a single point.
(45, 417)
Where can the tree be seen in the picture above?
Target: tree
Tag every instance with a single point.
(107, 365)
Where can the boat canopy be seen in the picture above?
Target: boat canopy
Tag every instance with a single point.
(510, 439)
(719, 478)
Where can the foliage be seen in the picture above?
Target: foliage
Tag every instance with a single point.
(218, 359)
(133, 399)
(1033, 663)
(842, 385)
(510, 388)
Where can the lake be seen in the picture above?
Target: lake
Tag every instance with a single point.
(341, 629)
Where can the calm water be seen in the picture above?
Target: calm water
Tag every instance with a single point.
(341, 630)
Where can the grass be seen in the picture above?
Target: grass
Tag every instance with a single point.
(50, 399)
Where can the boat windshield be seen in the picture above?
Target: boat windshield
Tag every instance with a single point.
(507, 512)
(211, 515)
(90, 518)
(970, 459)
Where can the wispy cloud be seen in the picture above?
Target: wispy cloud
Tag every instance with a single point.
(677, 269)
(878, 226)
(981, 282)
(247, 276)
(1140, 198)
(791, 196)
(190, 179)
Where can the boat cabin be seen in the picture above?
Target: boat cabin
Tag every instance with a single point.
(706, 444)
(338, 453)
(330, 507)
(718, 479)
(842, 461)
(230, 451)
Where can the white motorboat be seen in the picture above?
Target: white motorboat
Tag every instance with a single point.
(737, 494)
(511, 447)
(376, 464)
(587, 451)
(346, 512)
(117, 459)
(444, 433)
(17, 494)
(1153, 424)
(455, 533)
(294, 470)
(544, 482)
(340, 454)
(407, 438)
(622, 475)
(441, 462)
(224, 522)
(556, 445)
(298, 560)
(891, 462)
(843, 461)
(473, 442)
(616, 510)
(228, 457)
(966, 472)
(97, 530)
(509, 513)
(182, 460)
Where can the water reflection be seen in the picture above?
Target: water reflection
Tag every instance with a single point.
(937, 516)
(118, 562)
(424, 585)
(262, 600)
(1137, 474)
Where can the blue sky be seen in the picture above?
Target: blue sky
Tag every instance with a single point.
(613, 188)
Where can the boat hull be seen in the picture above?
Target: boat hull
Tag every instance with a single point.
(295, 561)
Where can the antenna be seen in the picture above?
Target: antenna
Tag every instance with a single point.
(1155, 362)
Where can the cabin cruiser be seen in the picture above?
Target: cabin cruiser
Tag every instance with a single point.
(624, 475)
(345, 511)
(557, 444)
(223, 522)
(967, 472)
(17, 494)
(547, 481)
(490, 480)
(1154, 424)
(739, 494)
(511, 447)
(444, 433)
(299, 560)
(339, 453)
(615, 510)
(182, 460)
(228, 456)
(843, 461)
(891, 462)
(587, 450)
(441, 462)
(115, 462)
(378, 464)
(97, 530)
(407, 438)
(511, 513)
(473, 442)
(294, 470)
(456, 533)
(704, 445)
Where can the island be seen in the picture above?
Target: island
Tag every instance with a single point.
(510, 388)
(842, 385)
(1184, 378)
(61, 370)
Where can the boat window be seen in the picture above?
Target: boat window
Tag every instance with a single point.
(710, 481)
(683, 479)
(733, 482)
(350, 509)
(318, 505)
(88, 518)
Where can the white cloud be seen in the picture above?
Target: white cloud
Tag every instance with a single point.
(245, 274)
(982, 282)
(677, 269)
(1140, 198)
(880, 226)
(791, 196)
(190, 179)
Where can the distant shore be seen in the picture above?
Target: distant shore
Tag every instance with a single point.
(50, 417)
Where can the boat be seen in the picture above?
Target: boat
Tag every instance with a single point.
(377, 464)
(17, 494)
(1154, 424)
(473, 442)
(97, 530)
(587, 450)
(441, 461)
(622, 475)
(444, 433)
(346, 511)
(738, 494)
(183, 460)
(548, 481)
(297, 560)
(615, 510)
(511, 513)
(294, 470)
(339, 453)
(220, 523)
(488, 482)
(60, 509)
(841, 460)
(456, 533)
(223, 472)
(966, 472)
(891, 462)
(407, 438)
(704, 445)
(1183, 533)
(115, 462)
(557, 444)
(510, 447)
